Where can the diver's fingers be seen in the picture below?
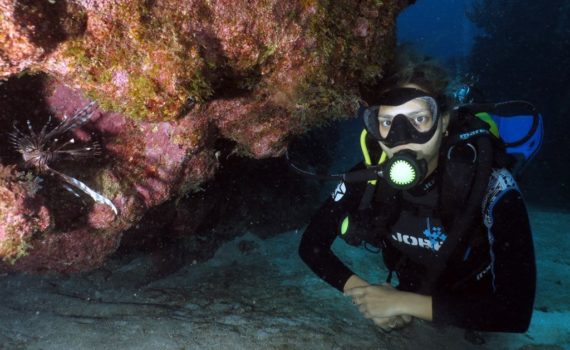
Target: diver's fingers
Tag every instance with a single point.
(364, 310)
(402, 321)
(389, 324)
(383, 323)
(397, 323)
(356, 291)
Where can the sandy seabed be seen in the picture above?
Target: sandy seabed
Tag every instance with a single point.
(262, 297)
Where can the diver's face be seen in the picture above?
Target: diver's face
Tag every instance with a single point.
(419, 115)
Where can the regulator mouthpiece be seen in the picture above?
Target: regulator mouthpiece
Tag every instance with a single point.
(403, 171)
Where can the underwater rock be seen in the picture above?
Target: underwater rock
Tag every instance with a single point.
(171, 78)
(259, 69)
(31, 30)
(22, 212)
(144, 165)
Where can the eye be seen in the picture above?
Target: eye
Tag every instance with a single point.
(421, 119)
(385, 123)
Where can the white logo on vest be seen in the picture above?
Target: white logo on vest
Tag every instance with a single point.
(339, 192)
(434, 238)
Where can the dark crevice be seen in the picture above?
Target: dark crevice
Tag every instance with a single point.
(21, 99)
(232, 85)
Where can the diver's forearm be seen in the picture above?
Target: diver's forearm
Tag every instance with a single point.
(416, 305)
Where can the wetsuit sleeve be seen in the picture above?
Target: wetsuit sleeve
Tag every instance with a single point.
(315, 247)
(504, 302)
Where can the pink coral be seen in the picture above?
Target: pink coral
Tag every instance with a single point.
(172, 77)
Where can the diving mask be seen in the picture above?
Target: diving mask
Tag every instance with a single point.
(417, 126)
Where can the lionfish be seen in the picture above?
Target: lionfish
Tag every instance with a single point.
(41, 149)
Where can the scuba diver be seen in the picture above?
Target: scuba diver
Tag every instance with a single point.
(442, 205)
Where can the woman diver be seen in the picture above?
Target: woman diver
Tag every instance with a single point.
(447, 214)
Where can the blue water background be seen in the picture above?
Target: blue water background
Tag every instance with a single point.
(439, 28)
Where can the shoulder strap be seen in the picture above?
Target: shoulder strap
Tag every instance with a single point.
(463, 217)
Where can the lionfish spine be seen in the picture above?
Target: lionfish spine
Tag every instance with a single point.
(39, 149)
(77, 120)
(93, 149)
(99, 198)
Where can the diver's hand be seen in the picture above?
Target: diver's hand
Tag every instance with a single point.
(376, 301)
(384, 301)
(385, 323)
(355, 281)
(388, 324)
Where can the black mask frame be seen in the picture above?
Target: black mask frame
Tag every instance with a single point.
(402, 130)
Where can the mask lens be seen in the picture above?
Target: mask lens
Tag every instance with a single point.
(421, 119)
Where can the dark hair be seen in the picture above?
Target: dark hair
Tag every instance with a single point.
(412, 67)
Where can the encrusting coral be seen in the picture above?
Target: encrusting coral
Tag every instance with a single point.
(172, 77)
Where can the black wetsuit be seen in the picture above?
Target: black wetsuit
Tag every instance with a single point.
(488, 286)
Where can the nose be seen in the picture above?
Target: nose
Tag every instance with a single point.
(399, 131)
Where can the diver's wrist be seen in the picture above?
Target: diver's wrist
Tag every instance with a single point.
(416, 305)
